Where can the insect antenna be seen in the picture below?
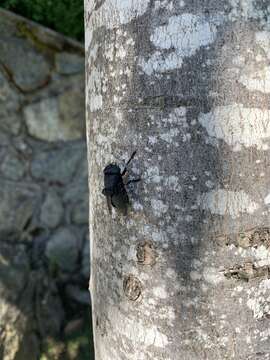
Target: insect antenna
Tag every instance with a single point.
(132, 156)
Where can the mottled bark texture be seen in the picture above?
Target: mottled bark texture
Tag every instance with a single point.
(187, 83)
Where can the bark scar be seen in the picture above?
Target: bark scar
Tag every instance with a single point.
(132, 287)
(146, 254)
(247, 272)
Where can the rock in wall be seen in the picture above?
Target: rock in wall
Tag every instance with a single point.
(44, 247)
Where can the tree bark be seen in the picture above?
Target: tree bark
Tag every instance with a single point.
(187, 84)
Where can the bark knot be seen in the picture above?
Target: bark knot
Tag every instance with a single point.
(146, 254)
(132, 287)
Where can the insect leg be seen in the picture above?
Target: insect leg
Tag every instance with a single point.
(133, 181)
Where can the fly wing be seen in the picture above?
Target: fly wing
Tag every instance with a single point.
(109, 203)
(121, 201)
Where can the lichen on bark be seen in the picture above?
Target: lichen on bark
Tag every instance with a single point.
(176, 82)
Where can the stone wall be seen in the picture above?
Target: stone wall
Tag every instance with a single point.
(44, 244)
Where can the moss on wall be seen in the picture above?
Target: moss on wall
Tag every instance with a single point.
(64, 16)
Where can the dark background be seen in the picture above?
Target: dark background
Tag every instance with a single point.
(64, 16)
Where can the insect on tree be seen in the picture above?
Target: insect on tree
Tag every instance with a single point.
(115, 186)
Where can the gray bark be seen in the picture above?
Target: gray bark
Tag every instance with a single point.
(187, 84)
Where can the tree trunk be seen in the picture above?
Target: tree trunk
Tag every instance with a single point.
(187, 84)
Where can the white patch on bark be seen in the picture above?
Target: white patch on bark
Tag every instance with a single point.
(171, 273)
(203, 338)
(195, 31)
(109, 51)
(194, 275)
(121, 52)
(159, 208)
(170, 135)
(112, 14)
(259, 300)
(94, 98)
(95, 102)
(176, 113)
(257, 81)
(160, 292)
(212, 276)
(137, 206)
(160, 63)
(196, 264)
(172, 183)
(245, 9)
(225, 202)
(267, 200)
(262, 38)
(176, 116)
(153, 233)
(168, 4)
(152, 140)
(137, 331)
(153, 175)
(264, 335)
(120, 12)
(184, 34)
(238, 126)
(260, 256)
(209, 184)
(239, 60)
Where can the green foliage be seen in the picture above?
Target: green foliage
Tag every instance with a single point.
(76, 346)
(65, 16)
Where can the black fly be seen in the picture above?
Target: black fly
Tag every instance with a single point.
(114, 186)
